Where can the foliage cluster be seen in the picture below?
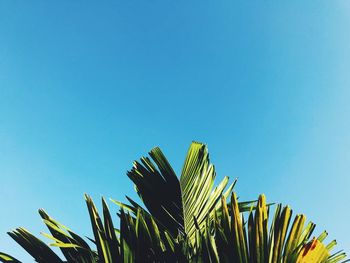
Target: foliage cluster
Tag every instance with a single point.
(183, 219)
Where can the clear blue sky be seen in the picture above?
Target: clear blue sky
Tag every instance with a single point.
(87, 87)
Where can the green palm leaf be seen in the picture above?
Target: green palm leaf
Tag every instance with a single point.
(73, 247)
(7, 258)
(282, 244)
(34, 246)
(174, 203)
(105, 237)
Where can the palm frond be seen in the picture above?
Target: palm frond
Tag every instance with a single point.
(105, 237)
(175, 203)
(7, 258)
(34, 246)
(73, 247)
(237, 241)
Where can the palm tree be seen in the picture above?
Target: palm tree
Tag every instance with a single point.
(183, 219)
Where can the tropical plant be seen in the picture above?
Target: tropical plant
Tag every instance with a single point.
(183, 220)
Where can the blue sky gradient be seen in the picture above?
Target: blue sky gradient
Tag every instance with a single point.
(86, 88)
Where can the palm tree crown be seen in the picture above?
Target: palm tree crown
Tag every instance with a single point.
(183, 219)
